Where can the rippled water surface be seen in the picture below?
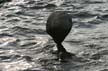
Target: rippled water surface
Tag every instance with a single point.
(25, 45)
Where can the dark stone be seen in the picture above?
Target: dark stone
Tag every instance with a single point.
(58, 26)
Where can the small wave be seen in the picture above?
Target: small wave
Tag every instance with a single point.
(18, 65)
(99, 54)
(34, 4)
(84, 25)
(94, 1)
(22, 30)
(14, 19)
(7, 41)
(103, 17)
(83, 14)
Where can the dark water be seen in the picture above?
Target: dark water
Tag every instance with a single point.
(25, 45)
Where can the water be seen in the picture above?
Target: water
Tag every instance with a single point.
(25, 45)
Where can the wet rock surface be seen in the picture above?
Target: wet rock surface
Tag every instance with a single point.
(25, 45)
